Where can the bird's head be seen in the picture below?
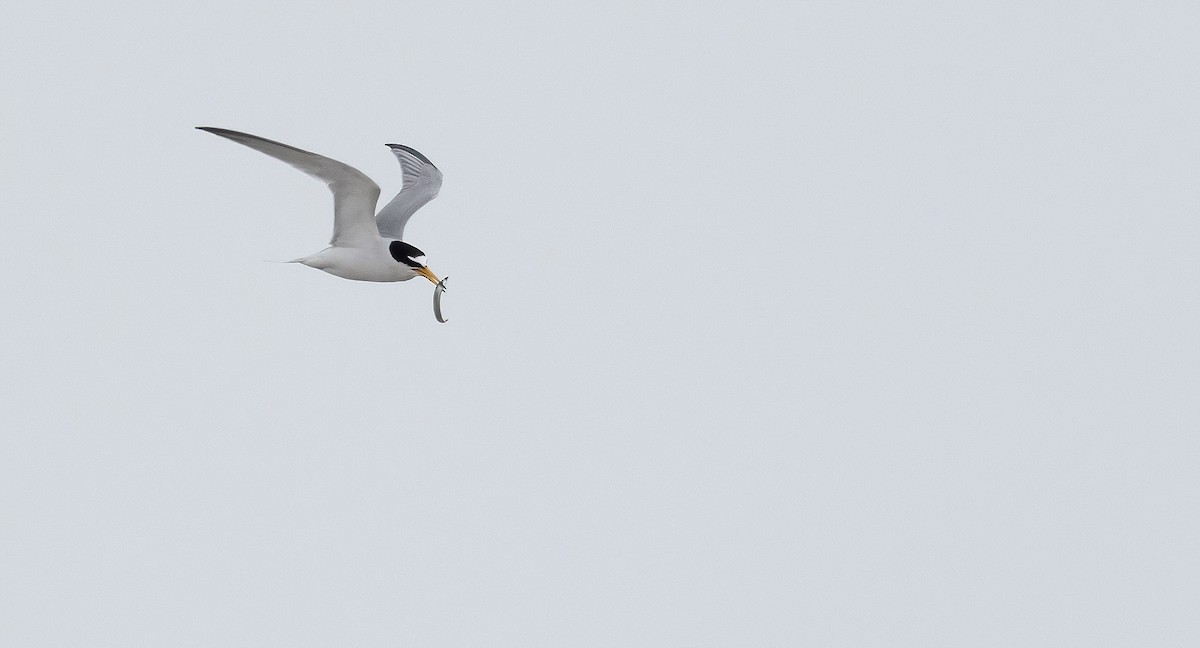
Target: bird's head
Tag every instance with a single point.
(412, 257)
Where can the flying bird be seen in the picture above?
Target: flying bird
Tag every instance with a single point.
(365, 246)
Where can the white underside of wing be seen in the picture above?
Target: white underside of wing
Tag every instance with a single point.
(354, 194)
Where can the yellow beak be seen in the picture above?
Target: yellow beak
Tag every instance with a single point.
(424, 271)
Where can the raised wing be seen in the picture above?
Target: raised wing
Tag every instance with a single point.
(422, 182)
(354, 194)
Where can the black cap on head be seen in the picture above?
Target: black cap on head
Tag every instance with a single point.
(403, 252)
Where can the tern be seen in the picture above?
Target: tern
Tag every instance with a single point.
(365, 246)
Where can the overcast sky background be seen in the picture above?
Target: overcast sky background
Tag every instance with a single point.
(771, 324)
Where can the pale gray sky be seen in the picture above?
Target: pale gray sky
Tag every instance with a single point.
(771, 324)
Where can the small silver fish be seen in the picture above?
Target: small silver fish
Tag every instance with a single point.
(437, 300)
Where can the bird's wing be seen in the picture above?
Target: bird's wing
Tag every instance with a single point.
(354, 194)
(422, 182)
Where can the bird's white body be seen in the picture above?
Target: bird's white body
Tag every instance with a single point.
(365, 246)
(368, 262)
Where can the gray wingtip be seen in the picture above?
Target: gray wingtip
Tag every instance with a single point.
(413, 151)
(224, 132)
(241, 138)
